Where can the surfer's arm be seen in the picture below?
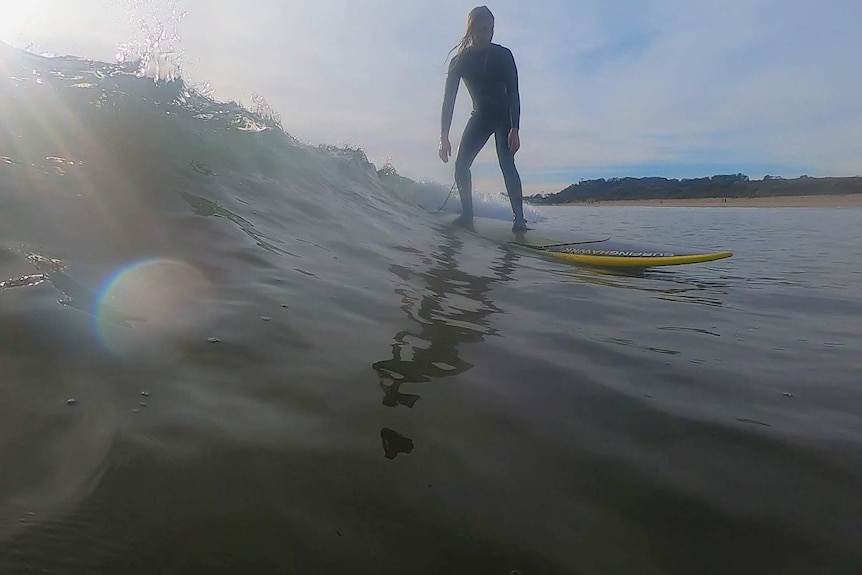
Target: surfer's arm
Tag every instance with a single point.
(453, 79)
(511, 76)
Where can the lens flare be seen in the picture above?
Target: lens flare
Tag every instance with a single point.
(151, 306)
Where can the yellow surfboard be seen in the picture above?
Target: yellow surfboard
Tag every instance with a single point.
(598, 252)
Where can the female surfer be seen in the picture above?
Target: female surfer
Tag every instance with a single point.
(489, 72)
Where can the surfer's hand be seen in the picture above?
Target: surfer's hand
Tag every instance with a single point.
(514, 140)
(445, 149)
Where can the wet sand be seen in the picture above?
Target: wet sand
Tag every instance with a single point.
(830, 201)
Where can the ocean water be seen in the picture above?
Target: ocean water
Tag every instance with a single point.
(226, 351)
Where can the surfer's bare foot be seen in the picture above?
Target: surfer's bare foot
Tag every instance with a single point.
(464, 221)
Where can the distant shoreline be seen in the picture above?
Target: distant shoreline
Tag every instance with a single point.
(819, 201)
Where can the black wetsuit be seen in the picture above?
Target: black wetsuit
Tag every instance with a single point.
(492, 80)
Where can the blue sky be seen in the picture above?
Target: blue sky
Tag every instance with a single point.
(609, 87)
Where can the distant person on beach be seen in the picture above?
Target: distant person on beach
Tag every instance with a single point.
(489, 72)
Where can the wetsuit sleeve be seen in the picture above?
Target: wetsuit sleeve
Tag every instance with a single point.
(453, 79)
(512, 91)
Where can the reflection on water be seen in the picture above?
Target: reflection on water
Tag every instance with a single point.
(394, 443)
(447, 307)
(680, 285)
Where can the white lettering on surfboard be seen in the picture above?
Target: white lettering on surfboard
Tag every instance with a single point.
(615, 253)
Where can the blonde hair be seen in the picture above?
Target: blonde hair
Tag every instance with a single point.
(466, 42)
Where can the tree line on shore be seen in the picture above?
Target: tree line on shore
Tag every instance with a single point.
(719, 186)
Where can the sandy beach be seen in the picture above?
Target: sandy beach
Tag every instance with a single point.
(830, 201)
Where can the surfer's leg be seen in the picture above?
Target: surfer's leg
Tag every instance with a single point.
(474, 138)
(510, 175)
